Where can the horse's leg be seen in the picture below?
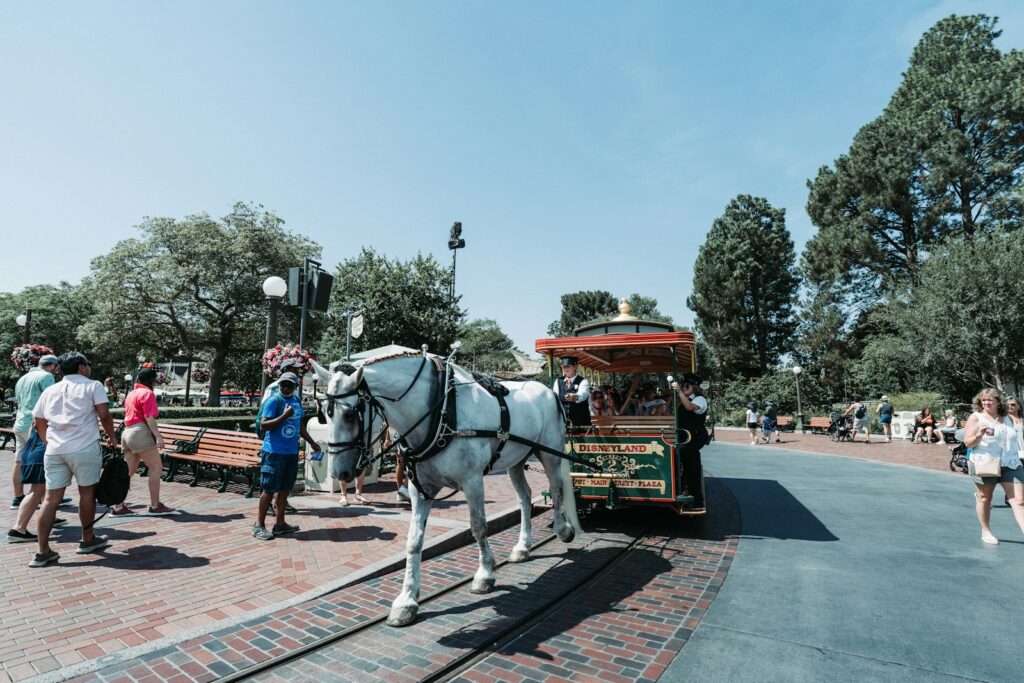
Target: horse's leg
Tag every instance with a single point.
(517, 475)
(560, 497)
(483, 580)
(406, 605)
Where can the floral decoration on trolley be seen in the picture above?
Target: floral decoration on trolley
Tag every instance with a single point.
(26, 356)
(201, 375)
(273, 358)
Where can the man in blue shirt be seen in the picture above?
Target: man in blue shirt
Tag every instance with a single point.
(281, 420)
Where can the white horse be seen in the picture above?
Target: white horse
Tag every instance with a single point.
(406, 387)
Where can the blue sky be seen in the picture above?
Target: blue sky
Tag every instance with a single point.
(608, 134)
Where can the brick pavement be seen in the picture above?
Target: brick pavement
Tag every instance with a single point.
(899, 452)
(627, 627)
(165, 578)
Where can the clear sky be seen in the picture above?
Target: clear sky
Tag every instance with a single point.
(606, 135)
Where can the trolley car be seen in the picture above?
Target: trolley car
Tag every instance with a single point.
(637, 454)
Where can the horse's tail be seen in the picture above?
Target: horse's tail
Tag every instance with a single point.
(568, 497)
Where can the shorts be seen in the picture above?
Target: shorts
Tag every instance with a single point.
(138, 438)
(885, 419)
(860, 423)
(278, 472)
(84, 465)
(751, 425)
(19, 443)
(1014, 476)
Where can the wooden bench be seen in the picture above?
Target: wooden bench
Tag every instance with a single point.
(222, 450)
(819, 425)
(785, 423)
(7, 434)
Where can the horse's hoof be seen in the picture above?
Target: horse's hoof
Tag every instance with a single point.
(402, 617)
(480, 587)
(519, 555)
(567, 534)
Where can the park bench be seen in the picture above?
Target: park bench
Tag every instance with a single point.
(221, 450)
(819, 425)
(785, 423)
(6, 430)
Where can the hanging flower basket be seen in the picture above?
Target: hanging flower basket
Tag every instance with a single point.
(161, 379)
(201, 375)
(26, 356)
(273, 358)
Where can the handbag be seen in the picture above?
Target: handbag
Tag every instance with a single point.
(990, 467)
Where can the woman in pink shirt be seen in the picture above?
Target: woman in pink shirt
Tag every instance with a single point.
(141, 439)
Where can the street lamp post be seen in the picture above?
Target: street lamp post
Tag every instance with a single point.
(274, 288)
(127, 383)
(799, 411)
(455, 242)
(24, 321)
(188, 375)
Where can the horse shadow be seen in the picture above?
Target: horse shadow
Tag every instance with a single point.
(512, 604)
(142, 557)
(346, 535)
(67, 534)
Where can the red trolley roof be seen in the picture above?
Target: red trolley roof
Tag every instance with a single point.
(636, 352)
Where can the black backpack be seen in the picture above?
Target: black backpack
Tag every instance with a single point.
(114, 482)
(861, 412)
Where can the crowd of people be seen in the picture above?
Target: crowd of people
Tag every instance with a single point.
(57, 442)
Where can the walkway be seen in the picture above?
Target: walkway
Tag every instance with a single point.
(855, 570)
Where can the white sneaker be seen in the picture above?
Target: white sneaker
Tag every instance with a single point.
(888, 440)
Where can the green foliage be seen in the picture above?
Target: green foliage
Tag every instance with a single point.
(405, 303)
(583, 307)
(192, 412)
(964, 315)
(778, 386)
(944, 159)
(193, 283)
(485, 346)
(744, 287)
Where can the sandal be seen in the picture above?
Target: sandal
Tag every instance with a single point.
(343, 501)
(361, 499)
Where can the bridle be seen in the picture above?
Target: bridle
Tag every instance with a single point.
(368, 408)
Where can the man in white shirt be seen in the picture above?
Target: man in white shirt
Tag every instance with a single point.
(67, 416)
(573, 391)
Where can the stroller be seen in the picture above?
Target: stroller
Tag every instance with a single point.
(958, 453)
(841, 428)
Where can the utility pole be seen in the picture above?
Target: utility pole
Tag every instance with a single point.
(455, 242)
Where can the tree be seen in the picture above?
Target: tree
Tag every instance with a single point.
(193, 283)
(581, 308)
(744, 287)
(485, 346)
(944, 159)
(962, 320)
(57, 313)
(407, 303)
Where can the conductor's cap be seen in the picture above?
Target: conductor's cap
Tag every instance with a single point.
(569, 360)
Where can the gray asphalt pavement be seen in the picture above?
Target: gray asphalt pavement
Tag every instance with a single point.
(850, 570)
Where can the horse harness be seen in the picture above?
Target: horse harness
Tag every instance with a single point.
(443, 423)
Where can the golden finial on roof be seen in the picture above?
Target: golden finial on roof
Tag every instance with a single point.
(624, 310)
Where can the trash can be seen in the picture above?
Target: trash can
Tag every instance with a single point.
(318, 474)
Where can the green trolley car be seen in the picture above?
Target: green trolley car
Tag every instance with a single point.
(638, 454)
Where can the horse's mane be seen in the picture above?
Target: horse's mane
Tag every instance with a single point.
(400, 354)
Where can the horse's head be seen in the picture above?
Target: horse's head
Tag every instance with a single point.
(350, 410)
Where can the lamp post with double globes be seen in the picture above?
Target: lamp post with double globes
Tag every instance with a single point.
(799, 411)
(274, 288)
(127, 383)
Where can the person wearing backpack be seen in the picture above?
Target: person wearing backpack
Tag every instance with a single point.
(67, 418)
(281, 419)
(860, 420)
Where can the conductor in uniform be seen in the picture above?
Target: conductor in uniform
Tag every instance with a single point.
(574, 393)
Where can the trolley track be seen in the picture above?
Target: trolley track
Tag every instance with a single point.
(499, 631)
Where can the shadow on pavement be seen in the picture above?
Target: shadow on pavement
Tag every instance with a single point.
(346, 535)
(509, 602)
(769, 510)
(183, 516)
(143, 557)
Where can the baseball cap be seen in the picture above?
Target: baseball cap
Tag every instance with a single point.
(288, 377)
(48, 359)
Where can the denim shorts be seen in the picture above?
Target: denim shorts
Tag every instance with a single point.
(278, 472)
(885, 419)
(1008, 477)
